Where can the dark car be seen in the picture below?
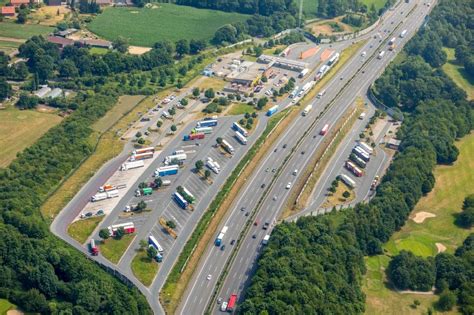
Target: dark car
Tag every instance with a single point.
(222, 247)
(254, 236)
(284, 146)
(263, 186)
(266, 225)
(242, 209)
(232, 242)
(247, 214)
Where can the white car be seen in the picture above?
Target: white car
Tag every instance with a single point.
(224, 306)
(288, 186)
(295, 172)
(209, 277)
(363, 54)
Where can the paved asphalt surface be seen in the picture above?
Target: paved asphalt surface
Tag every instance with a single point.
(200, 289)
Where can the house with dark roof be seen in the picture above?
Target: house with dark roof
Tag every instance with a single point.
(60, 41)
(96, 43)
(8, 11)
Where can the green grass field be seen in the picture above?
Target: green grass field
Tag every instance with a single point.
(144, 27)
(80, 230)
(240, 108)
(23, 31)
(5, 306)
(123, 106)
(458, 74)
(20, 129)
(310, 6)
(144, 268)
(378, 3)
(453, 184)
(113, 249)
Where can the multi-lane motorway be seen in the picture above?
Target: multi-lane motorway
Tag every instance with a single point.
(351, 81)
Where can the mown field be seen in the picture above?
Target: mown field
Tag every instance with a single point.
(20, 129)
(310, 6)
(144, 27)
(23, 31)
(453, 184)
(458, 74)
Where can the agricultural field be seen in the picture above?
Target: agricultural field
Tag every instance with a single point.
(458, 74)
(10, 29)
(20, 129)
(310, 7)
(377, 3)
(433, 231)
(8, 46)
(146, 26)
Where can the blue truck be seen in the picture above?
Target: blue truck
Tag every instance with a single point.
(167, 170)
(272, 110)
(180, 200)
(207, 123)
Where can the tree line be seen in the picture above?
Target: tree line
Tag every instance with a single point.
(435, 118)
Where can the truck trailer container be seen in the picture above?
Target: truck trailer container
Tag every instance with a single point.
(220, 236)
(333, 59)
(213, 165)
(303, 73)
(194, 136)
(227, 146)
(361, 153)
(207, 123)
(307, 109)
(357, 160)
(165, 182)
(112, 193)
(99, 197)
(354, 169)
(187, 193)
(240, 129)
(367, 148)
(143, 150)
(272, 110)
(180, 200)
(240, 137)
(142, 156)
(176, 157)
(347, 180)
(294, 92)
(93, 248)
(128, 228)
(131, 165)
(204, 130)
(324, 130)
(153, 242)
(167, 170)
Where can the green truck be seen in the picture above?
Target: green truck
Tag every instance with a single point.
(143, 192)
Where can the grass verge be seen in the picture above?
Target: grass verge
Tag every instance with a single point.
(144, 268)
(80, 230)
(19, 129)
(458, 74)
(453, 184)
(336, 198)
(189, 258)
(5, 306)
(240, 109)
(113, 249)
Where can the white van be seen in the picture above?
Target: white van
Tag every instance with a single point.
(320, 94)
(224, 306)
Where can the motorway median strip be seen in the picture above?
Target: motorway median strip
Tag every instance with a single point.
(188, 260)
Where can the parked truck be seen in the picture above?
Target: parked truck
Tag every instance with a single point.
(105, 195)
(240, 129)
(227, 146)
(204, 130)
(93, 248)
(354, 169)
(128, 228)
(361, 153)
(272, 110)
(333, 59)
(307, 109)
(166, 170)
(131, 165)
(207, 123)
(357, 160)
(142, 156)
(220, 236)
(194, 136)
(367, 148)
(143, 150)
(175, 158)
(143, 192)
(153, 242)
(180, 200)
(213, 165)
(240, 137)
(347, 180)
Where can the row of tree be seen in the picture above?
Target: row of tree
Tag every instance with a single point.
(434, 120)
(451, 275)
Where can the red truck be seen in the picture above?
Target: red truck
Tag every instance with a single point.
(324, 130)
(354, 169)
(128, 227)
(231, 303)
(193, 136)
(93, 247)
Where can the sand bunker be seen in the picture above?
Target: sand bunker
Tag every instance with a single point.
(441, 248)
(421, 216)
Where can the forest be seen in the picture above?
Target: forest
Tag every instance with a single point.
(435, 116)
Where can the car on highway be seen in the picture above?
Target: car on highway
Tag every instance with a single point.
(219, 300)
(247, 214)
(232, 242)
(295, 172)
(262, 186)
(288, 186)
(209, 277)
(274, 197)
(265, 225)
(256, 222)
(274, 170)
(223, 247)
(284, 146)
(242, 209)
(363, 54)
(254, 236)
(224, 306)
(303, 152)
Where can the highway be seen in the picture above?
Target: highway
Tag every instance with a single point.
(199, 291)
